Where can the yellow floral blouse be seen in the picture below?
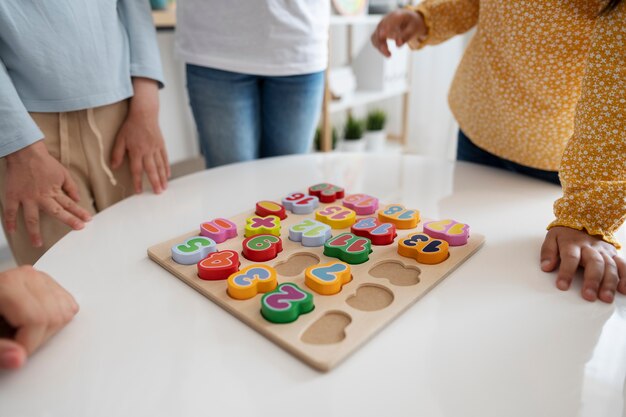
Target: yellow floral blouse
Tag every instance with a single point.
(543, 84)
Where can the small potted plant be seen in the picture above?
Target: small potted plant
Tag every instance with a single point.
(317, 142)
(375, 135)
(353, 135)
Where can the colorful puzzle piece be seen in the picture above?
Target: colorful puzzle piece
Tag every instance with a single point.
(423, 248)
(219, 230)
(328, 278)
(310, 233)
(327, 193)
(371, 228)
(251, 281)
(362, 204)
(257, 225)
(270, 208)
(337, 217)
(286, 303)
(218, 265)
(348, 248)
(299, 203)
(193, 250)
(261, 248)
(453, 232)
(399, 216)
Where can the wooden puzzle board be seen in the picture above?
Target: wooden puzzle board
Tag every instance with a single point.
(380, 290)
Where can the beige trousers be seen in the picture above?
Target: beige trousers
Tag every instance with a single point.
(82, 141)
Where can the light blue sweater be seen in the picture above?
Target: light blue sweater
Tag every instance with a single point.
(65, 55)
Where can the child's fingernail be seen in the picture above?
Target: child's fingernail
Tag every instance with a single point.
(545, 263)
(10, 360)
(562, 284)
(607, 296)
(590, 294)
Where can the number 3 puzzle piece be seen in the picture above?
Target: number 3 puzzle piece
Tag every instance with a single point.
(400, 216)
(327, 193)
(423, 248)
(328, 278)
(286, 303)
(218, 265)
(193, 250)
(453, 232)
(250, 281)
(348, 248)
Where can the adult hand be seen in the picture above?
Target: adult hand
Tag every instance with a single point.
(140, 136)
(36, 307)
(400, 25)
(604, 269)
(36, 181)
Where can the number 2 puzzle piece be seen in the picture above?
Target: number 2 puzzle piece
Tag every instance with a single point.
(286, 303)
(310, 232)
(400, 216)
(250, 281)
(261, 248)
(423, 248)
(219, 230)
(218, 265)
(379, 233)
(257, 225)
(299, 203)
(348, 248)
(193, 250)
(270, 208)
(453, 232)
(336, 217)
(328, 278)
(327, 193)
(362, 204)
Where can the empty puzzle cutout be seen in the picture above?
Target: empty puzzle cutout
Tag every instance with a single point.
(397, 273)
(296, 264)
(370, 298)
(329, 329)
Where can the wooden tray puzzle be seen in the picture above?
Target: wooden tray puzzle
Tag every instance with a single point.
(380, 290)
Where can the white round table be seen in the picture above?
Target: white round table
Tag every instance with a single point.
(495, 338)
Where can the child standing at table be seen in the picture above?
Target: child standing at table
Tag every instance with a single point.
(79, 91)
(541, 90)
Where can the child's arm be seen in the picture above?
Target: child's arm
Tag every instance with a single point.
(35, 307)
(593, 172)
(140, 135)
(34, 180)
(430, 23)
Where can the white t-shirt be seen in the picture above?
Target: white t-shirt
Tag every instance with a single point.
(260, 37)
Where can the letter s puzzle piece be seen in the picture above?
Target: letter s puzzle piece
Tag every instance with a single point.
(362, 204)
(348, 248)
(270, 208)
(261, 248)
(328, 278)
(400, 216)
(257, 225)
(250, 281)
(327, 193)
(310, 233)
(453, 232)
(423, 248)
(336, 217)
(299, 203)
(286, 303)
(193, 250)
(218, 265)
(379, 233)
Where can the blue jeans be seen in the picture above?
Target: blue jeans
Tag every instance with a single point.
(467, 151)
(242, 117)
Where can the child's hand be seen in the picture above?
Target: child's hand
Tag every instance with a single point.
(140, 136)
(36, 307)
(604, 268)
(36, 181)
(400, 25)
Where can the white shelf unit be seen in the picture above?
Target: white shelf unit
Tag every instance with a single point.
(361, 97)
